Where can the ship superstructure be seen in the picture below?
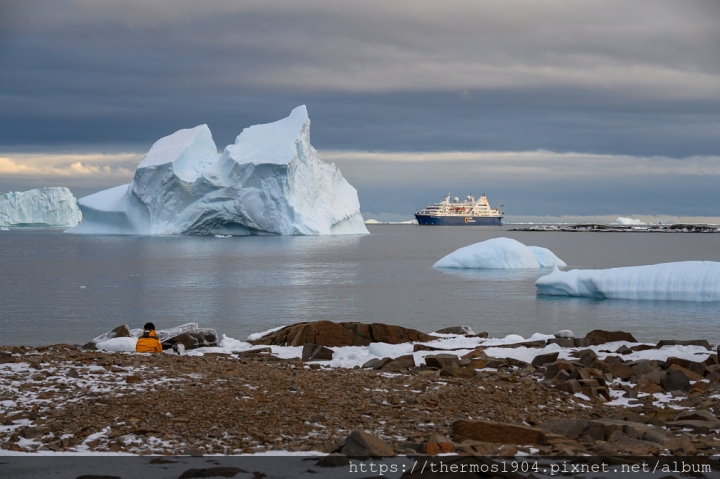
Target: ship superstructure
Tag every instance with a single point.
(470, 212)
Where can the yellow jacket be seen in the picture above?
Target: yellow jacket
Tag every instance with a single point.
(148, 343)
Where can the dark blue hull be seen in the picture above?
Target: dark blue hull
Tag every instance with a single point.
(459, 220)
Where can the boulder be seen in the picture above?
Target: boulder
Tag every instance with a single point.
(562, 342)
(570, 428)
(442, 361)
(694, 366)
(361, 444)
(696, 415)
(564, 333)
(674, 381)
(456, 330)
(647, 385)
(330, 334)
(314, 352)
(122, 331)
(644, 367)
(598, 336)
(621, 370)
(540, 343)
(686, 342)
(377, 363)
(192, 339)
(543, 359)
(401, 363)
(692, 376)
(586, 357)
(438, 444)
(495, 432)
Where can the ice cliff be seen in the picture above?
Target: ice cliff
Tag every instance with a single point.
(270, 181)
(41, 207)
(681, 281)
(500, 253)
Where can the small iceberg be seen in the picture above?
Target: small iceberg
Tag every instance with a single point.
(681, 281)
(628, 221)
(500, 253)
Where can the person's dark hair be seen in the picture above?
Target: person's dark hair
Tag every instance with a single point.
(150, 326)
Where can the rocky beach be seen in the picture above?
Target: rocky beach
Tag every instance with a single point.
(569, 396)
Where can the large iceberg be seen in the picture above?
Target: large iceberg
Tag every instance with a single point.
(681, 281)
(270, 181)
(54, 206)
(500, 253)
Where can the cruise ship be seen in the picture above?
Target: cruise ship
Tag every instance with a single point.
(455, 213)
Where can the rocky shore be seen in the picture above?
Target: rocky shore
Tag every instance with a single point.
(574, 396)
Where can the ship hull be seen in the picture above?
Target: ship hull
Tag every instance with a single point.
(459, 220)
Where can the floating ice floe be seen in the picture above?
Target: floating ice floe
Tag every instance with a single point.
(54, 206)
(270, 181)
(500, 253)
(681, 281)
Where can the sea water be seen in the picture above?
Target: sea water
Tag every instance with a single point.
(56, 287)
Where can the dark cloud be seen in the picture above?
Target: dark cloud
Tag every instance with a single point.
(609, 77)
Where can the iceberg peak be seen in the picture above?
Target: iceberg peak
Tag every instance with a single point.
(270, 181)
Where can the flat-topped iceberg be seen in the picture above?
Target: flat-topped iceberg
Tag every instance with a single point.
(270, 181)
(681, 281)
(500, 253)
(55, 206)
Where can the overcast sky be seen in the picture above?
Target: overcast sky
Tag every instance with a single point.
(554, 109)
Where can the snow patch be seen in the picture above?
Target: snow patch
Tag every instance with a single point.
(681, 281)
(500, 253)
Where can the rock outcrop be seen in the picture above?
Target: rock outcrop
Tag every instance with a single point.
(330, 334)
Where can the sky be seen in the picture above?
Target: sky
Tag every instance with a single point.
(558, 110)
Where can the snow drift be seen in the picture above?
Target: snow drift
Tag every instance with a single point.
(270, 181)
(500, 253)
(681, 281)
(54, 206)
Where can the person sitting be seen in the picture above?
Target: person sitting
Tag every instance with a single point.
(148, 342)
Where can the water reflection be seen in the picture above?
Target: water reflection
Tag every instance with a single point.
(248, 284)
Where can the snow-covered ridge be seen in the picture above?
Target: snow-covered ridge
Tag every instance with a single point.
(54, 206)
(500, 253)
(680, 281)
(270, 181)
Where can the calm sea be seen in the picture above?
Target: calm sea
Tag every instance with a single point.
(56, 287)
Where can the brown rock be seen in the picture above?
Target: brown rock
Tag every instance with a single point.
(647, 385)
(330, 334)
(687, 342)
(674, 380)
(438, 444)
(496, 432)
(401, 363)
(621, 370)
(362, 444)
(694, 366)
(442, 361)
(569, 428)
(543, 359)
(599, 336)
(313, 352)
(553, 369)
(132, 379)
(688, 374)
